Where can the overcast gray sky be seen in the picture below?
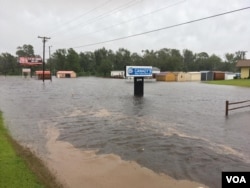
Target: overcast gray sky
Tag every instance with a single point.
(77, 23)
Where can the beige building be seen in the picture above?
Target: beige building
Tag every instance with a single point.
(244, 66)
(66, 74)
(166, 76)
(181, 76)
(194, 76)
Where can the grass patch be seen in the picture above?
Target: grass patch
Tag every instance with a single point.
(19, 168)
(236, 82)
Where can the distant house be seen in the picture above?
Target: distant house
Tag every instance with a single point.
(244, 66)
(117, 74)
(66, 74)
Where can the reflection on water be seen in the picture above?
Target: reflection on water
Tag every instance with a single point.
(176, 128)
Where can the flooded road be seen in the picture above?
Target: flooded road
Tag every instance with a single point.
(177, 128)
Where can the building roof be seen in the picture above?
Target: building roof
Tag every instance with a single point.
(194, 72)
(65, 72)
(164, 73)
(243, 63)
(155, 69)
(41, 72)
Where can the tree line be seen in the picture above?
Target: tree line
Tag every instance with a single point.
(102, 61)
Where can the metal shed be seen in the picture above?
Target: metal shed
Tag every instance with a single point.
(229, 75)
(166, 76)
(66, 74)
(207, 75)
(218, 75)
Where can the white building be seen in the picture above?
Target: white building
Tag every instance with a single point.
(117, 74)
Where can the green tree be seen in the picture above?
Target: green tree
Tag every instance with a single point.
(149, 58)
(122, 58)
(100, 55)
(72, 61)
(176, 60)
(240, 55)
(201, 61)
(87, 62)
(105, 67)
(26, 50)
(59, 59)
(214, 62)
(162, 58)
(230, 58)
(136, 59)
(188, 60)
(8, 64)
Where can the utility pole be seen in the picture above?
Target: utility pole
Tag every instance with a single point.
(50, 65)
(44, 39)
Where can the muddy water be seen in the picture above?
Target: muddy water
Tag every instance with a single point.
(177, 128)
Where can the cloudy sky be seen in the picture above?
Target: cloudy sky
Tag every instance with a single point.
(85, 24)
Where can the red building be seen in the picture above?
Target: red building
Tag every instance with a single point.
(39, 75)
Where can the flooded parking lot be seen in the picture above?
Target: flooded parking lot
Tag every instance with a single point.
(179, 129)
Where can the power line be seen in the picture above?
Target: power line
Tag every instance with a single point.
(132, 19)
(108, 13)
(143, 15)
(78, 17)
(163, 28)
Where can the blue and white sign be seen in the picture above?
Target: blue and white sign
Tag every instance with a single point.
(138, 71)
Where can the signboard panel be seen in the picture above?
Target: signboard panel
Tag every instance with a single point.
(138, 71)
(29, 61)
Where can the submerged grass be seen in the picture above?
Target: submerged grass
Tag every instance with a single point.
(19, 167)
(236, 82)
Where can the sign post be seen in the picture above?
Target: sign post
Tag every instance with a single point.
(138, 73)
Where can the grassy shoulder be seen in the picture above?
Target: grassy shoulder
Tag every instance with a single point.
(19, 168)
(236, 82)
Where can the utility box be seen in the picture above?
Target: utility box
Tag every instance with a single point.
(138, 86)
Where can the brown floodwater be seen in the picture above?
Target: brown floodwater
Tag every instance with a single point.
(179, 129)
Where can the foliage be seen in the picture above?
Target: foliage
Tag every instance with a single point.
(13, 171)
(235, 82)
(26, 50)
(102, 61)
(8, 64)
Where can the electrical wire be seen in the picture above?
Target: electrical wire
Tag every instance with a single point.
(131, 20)
(105, 14)
(163, 28)
(79, 16)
